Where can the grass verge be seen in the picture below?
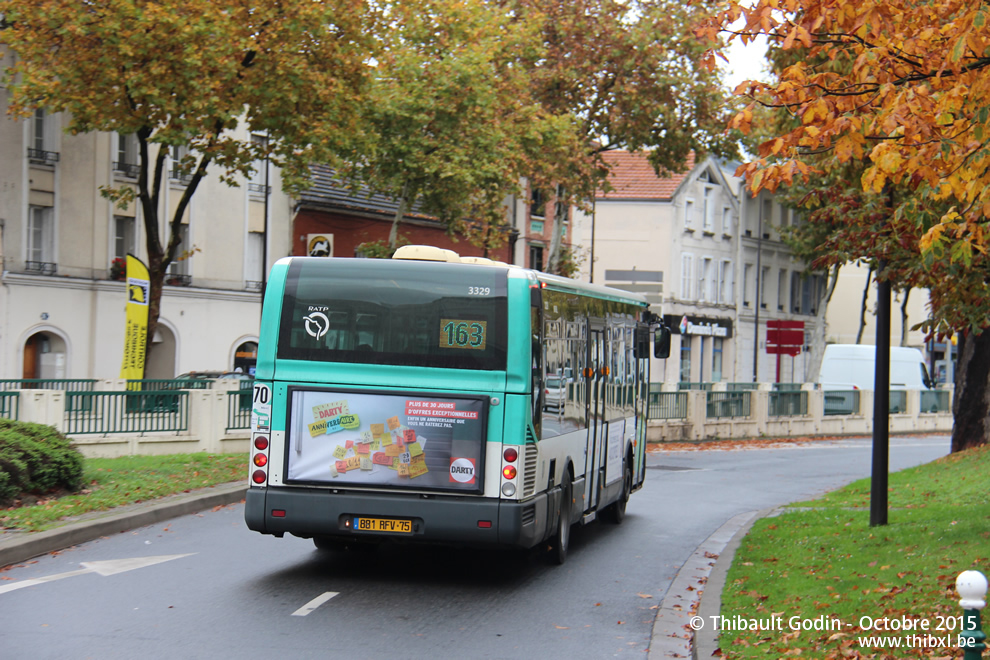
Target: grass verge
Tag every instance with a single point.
(821, 566)
(114, 482)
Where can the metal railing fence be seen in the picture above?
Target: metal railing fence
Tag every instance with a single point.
(126, 412)
(64, 384)
(841, 402)
(10, 404)
(158, 384)
(728, 404)
(788, 404)
(239, 409)
(668, 405)
(933, 401)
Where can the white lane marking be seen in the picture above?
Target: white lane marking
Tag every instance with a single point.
(316, 602)
(104, 568)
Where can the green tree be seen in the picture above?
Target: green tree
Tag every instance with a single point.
(448, 121)
(195, 73)
(631, 76)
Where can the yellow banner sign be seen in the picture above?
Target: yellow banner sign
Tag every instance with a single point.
(136, 329)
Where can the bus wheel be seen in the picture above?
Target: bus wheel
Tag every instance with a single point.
(562, 540)
(616, 512)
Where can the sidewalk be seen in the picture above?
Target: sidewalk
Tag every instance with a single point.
(704, 572)
(19, 546)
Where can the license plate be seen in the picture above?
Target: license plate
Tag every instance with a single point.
(383, 525)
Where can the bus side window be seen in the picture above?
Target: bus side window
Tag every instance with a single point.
(337, 332)
(366, 333)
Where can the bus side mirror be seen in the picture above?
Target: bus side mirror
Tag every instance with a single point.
(661, 342)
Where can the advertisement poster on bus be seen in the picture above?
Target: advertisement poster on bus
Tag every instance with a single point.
(406, 441)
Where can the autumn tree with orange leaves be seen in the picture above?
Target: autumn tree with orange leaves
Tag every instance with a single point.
(902, 86)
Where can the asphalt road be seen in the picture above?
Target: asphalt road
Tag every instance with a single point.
(203, 586)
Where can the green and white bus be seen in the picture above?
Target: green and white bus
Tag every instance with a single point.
(402, 400)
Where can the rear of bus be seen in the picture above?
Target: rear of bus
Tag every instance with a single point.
(389, 405)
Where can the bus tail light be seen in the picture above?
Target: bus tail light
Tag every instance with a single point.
(510, 455)
(259, 458)
(509, 472)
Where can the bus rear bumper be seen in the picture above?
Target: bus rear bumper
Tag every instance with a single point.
(309, 512)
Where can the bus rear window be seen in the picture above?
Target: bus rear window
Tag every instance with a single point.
(411, 313)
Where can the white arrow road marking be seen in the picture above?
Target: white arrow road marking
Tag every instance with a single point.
(316, 602)
(103, 568)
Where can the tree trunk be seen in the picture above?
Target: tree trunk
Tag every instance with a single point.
(904, 318)
(559, 215)
(862, 307)
(971, 401)
(820, 329)
(393, 234)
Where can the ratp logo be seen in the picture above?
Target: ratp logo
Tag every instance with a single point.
(317, 324)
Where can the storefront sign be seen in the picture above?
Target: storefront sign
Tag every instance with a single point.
(698, 325)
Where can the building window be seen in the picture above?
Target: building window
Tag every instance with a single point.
(259, 168)
(40, 240)
(179, 271)
(685, 366)
(806, 293)
(705, 280)
(687, 275)
(536, 257)
(708, 219)
(796, 292)
(747, 290)
(781, 289)
(538, 205)
(725, 282)
(127, 156)
(255, 257)
(717, 343)
(688, 214)
(726, 221)
(178, 171)
(42, 144)
(767, 217)
(123, 236)
(764, 276)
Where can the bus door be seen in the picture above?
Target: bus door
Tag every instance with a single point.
(595, 381)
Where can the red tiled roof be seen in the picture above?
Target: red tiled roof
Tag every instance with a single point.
(632, 177)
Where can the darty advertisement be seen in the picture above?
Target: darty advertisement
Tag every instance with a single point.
(408, 441)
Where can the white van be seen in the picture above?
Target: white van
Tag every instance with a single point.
(852, 367)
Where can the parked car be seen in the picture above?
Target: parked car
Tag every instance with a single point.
(554, 393)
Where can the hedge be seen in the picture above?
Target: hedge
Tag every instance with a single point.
(36, 459)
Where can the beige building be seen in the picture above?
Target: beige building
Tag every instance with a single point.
(61, 308)
(711, 261)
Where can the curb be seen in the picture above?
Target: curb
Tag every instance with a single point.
(16, 547)
(706, 639)
(671, 636)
